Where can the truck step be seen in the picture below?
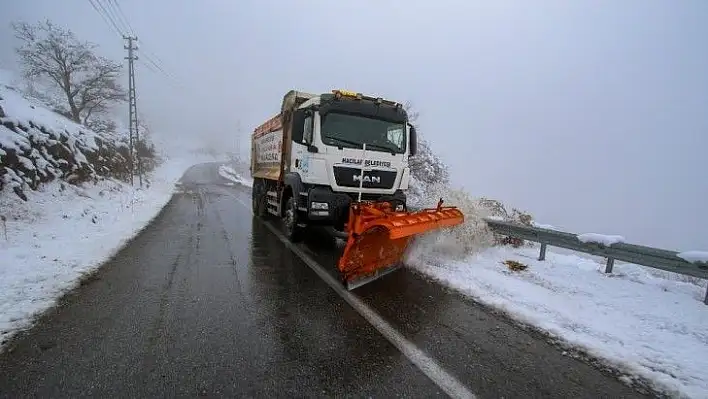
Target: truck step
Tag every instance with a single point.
(273, 203)
(272, 194)
(303, 193)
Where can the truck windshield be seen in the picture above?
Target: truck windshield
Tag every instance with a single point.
(344, 130)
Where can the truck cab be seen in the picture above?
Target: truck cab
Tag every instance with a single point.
(325, 141)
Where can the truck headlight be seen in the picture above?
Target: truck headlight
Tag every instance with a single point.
(319, 206)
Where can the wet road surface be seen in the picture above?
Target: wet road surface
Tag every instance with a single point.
(208, 302)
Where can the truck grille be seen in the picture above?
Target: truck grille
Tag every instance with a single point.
(349, 177)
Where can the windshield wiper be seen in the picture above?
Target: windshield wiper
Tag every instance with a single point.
(354, 143)
(368, 145)
(381, 147)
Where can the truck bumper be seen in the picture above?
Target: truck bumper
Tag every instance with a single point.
(336, 211)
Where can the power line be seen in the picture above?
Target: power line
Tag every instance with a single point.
(151, 53)
(110, 18)
(122, 15)
(105, 19)
(115, 7)
(150, 60)
(148, 66)
(156, 57)
(114, 17)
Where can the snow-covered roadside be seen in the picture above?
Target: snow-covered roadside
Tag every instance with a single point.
(230, 174)
(638, 321)
(63, 232)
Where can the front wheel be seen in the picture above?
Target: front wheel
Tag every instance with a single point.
(290, 220)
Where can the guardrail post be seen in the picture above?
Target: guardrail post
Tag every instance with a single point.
(610, 264)
(542, 255)
(705, 300)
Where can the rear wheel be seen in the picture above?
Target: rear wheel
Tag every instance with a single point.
(290, 220)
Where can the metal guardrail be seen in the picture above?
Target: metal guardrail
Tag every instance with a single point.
(637, 254)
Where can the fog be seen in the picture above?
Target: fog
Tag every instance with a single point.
(591, 115)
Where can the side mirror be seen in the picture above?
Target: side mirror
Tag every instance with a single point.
(298, 126)
(413, 140)
(312, 148)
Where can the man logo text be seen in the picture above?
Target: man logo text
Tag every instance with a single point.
(368, 179)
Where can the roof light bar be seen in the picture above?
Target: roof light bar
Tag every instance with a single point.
(339, 93)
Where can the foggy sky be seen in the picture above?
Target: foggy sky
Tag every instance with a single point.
(591, 115)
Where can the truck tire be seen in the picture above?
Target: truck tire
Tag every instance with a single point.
(290, 220)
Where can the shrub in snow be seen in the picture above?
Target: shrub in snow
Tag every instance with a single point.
(427, 168)
(498, 211)
(515, 266)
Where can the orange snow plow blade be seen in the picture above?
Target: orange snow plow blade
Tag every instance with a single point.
(379, 237)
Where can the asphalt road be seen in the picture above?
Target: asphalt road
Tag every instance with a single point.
(208, 302)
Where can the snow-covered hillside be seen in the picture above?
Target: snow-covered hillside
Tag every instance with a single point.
(38, 146)
(63, 211)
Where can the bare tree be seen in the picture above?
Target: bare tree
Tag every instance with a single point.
(87, 82)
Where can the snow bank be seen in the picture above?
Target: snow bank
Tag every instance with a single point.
(644, 324)
(603, 239)
(647, 323)
(228, 173)
(65, 231)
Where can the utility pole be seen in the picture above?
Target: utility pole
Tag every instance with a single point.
(133, 111)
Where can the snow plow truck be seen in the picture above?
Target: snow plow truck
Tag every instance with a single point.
(340, 160)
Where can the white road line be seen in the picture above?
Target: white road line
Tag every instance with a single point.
(453, 387)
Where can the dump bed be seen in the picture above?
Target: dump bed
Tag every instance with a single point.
(270, 142)
(267, 149)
